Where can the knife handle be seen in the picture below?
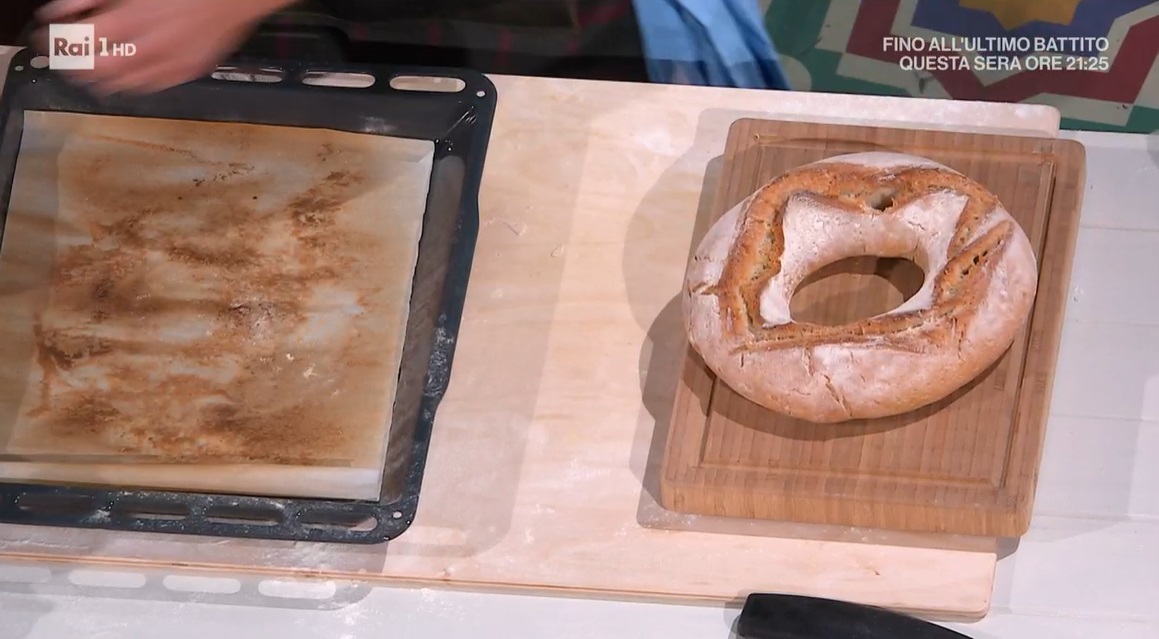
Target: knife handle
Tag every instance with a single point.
(772, 616)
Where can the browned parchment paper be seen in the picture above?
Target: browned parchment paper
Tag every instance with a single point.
(205, 306)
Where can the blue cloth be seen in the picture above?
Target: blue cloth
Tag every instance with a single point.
(708, 42)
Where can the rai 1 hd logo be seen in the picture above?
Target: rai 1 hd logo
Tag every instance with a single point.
(75, 47)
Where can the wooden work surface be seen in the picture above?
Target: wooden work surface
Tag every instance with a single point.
(967, 464)
(566, 362)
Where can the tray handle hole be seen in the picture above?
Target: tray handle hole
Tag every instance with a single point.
(47, 504)
(242, 516)
(239, 74)
(39, 62)
(427, 84)
(350, 522)
(131, 509)
(339, 80)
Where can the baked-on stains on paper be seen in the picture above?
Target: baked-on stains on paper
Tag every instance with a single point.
(215, 293)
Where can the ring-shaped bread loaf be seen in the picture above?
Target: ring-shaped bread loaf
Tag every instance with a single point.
(981, 279)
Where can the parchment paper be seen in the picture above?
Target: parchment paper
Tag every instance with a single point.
(205, 306)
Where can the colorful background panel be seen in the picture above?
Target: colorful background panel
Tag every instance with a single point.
(837, 45)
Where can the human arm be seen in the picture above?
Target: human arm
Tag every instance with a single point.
(176, 40)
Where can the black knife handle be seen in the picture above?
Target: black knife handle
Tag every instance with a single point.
(769, 616)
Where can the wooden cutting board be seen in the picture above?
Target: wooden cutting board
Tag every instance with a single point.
(965, 465)
(205, 306)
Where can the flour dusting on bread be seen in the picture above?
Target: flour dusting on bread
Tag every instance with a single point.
(981, 278)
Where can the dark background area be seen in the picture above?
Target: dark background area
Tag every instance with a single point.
(588, 39)
(14, 14)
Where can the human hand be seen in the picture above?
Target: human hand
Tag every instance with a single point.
(176, 40)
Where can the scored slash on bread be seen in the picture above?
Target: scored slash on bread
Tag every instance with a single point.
(981, 278)
(748, 271)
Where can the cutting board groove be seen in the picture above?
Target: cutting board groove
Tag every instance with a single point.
(965, 465)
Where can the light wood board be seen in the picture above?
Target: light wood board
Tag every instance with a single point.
(965, 465)
(205, 306)
(564, 376)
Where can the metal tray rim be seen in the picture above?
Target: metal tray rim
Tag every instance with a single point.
(463, 134)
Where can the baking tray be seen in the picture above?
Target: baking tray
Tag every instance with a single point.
(458, 123)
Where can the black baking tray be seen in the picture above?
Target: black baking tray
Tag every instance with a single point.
(458, 123)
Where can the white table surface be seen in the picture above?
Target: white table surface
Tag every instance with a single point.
(1089, 567)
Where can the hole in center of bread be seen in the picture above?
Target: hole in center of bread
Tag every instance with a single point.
(855, 288)
(881, 199)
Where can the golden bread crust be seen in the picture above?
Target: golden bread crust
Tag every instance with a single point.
(981, 281)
